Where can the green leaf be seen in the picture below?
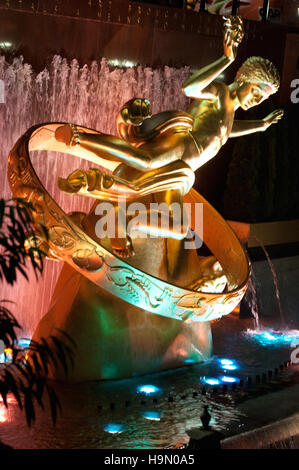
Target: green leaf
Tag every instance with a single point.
(13, 386)
(4, 392)
(28, 405)
(2, 209)
(59, 350)
(54, 403)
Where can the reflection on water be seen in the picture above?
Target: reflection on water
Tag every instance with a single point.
(274, 338)
(151, 411)
(137, 426)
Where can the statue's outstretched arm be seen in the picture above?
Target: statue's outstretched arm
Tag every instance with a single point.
(196, 85)
(241, 128)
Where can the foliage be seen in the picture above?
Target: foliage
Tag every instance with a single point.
(15, 224)
(26, 377)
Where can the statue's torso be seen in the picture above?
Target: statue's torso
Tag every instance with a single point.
(213, 122)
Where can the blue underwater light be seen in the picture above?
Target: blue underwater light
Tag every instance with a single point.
(24, 343)
(114, 428)
(211, 381)
(151, 415)
(228, 364)
(148, 389)
(229, 380)
(189, 361)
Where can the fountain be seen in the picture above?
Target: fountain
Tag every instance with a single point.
(156, 155)
(32, 98)
(120, 336)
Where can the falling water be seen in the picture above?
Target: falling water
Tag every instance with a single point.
(275, 281)
(251, 299)
(88, 95)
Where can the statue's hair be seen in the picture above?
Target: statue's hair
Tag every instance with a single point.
(258, 69)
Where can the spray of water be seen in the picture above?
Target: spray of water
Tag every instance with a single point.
(251, 300)
(269, 337)
(275, 281)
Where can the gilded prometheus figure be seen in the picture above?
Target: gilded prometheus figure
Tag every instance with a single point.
(154, 159)
(152, 311)
(162, 152)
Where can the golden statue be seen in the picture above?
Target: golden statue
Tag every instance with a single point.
(161, 152)
(106, 303)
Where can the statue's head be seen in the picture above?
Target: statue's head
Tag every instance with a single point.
(257, 79)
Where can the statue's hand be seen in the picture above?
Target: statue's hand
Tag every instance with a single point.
(273, 117)
(233, 35)
(136, 111)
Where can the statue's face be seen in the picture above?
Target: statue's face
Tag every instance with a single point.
(251, 94)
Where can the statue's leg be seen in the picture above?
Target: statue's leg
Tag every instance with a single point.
(105, 146)
(142, 221)
(121, 243)
(132, 184)
(112, 148)
(158, 152)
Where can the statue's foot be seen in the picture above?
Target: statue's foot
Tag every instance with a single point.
(84, 182)
(122, 247)
(212, 279)
(75, 182)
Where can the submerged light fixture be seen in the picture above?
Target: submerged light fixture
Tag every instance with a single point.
(211, 381)
(148, 389)
(151, 415)
(114, 428)
(228, 364)
(229, 380)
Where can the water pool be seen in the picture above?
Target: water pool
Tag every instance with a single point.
(153, 411)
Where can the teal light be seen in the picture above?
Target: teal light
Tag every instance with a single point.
(228, 379)
(230, 367)
(114, 428)
(148, 389)
(228, 364)
(272, 337)
(151, 415)
(24, 343)
(211, 381)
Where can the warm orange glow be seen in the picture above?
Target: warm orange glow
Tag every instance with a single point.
(3, 414)
(3, 410)
(10, 400)
(8, 351)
